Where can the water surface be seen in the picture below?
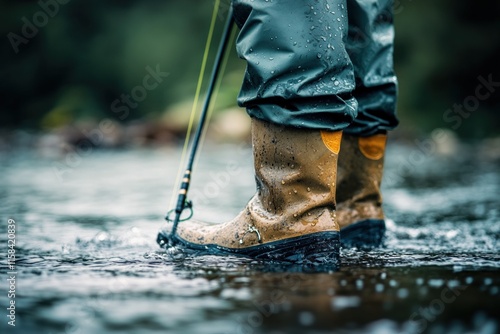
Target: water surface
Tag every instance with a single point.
(87, 261)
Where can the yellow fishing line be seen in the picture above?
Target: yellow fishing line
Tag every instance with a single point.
(195, 102)
(216, 93)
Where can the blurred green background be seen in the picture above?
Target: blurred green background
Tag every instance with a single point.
(86, 54)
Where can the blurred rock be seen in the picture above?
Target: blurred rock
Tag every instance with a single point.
(447, 142)
(149, 133)
(489, 150)
(232, 125)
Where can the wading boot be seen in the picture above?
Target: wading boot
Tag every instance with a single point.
(359, 201)
(291, 218)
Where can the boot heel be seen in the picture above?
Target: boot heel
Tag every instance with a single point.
(367, 233)
(313, 250)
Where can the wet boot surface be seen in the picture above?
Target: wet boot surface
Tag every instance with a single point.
(292, 215)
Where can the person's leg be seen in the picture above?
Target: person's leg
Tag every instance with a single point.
(299, 73)
(370, 47)
(298, 90)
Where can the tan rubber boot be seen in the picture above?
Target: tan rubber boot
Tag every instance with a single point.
(359, 200)
(291, 218)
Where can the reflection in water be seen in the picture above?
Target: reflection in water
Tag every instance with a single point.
(88, 262)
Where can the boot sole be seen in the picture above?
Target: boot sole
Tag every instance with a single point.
(316, 249)
(367, 233)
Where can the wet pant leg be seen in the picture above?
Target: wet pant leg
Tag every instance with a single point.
(313, 64)
(298, 71)
(370, 45)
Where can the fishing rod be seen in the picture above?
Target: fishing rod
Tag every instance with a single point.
(182, 202)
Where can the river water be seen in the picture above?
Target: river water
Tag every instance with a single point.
(87, 261)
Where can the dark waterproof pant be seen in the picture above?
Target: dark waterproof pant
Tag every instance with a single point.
(319, 64)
